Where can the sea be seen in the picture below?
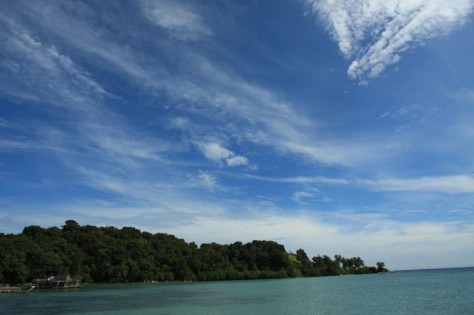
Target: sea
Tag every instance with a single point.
(440, 291)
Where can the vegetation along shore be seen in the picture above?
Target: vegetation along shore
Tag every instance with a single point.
(109, 254)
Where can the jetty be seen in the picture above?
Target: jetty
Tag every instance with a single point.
(10, 290)
(23, 289)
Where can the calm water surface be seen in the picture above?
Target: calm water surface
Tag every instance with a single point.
(446, 291)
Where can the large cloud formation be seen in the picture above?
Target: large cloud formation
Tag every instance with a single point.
(373, 33)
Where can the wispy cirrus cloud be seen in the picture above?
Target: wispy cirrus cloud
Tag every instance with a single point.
(453, 184)
(259, 115)
(299, 179)
(44, 74)
(27, 58)
(206, 180)
(177, 18)
(450, 184)
(206, 86)
(307, 196)
(374, 33)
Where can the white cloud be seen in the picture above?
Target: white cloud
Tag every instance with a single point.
(216, 152)
(237, 160)
(178, 18)
(373, 33)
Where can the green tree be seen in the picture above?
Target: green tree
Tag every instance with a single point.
(109, 254)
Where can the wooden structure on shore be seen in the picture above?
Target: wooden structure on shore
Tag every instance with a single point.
(58, 282)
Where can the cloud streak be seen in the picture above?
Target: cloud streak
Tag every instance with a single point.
(374, 33)
(451, 184)
(454, 184)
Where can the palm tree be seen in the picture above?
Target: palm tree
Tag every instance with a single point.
(381, 267)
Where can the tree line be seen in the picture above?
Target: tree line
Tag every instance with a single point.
(109, 254)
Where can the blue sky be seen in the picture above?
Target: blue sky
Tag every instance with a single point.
(334, 126)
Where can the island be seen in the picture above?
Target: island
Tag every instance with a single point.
(109, 254)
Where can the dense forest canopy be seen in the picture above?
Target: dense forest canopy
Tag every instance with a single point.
(109, 254)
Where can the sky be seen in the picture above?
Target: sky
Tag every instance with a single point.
(336, 126)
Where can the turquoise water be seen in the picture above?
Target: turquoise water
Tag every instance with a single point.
(446, 291)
